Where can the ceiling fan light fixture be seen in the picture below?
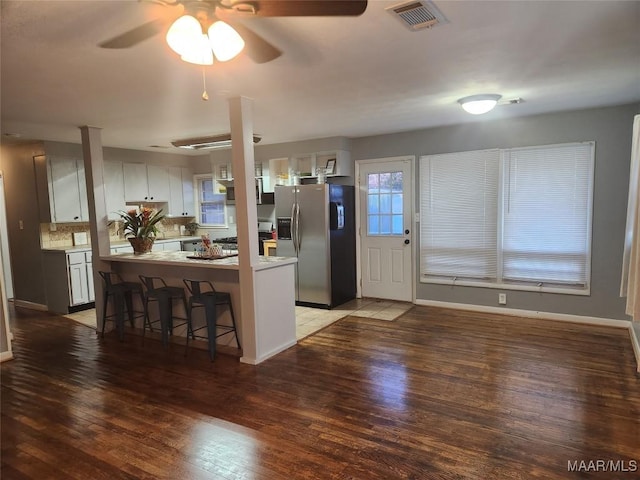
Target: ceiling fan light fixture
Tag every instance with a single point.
(183, 33)
(225, 42)
(199, 52)
(479, 104)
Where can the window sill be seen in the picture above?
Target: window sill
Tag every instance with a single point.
(508, 286)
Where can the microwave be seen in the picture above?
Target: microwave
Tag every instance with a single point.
(231, 191)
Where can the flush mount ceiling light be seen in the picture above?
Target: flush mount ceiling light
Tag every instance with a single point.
(479, 104)
(198, 36)
(214, 141)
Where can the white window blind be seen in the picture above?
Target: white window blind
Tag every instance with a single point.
(508, 217)
(458, 230)
(547, 214)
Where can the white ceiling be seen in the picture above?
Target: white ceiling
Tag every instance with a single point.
(338, 76)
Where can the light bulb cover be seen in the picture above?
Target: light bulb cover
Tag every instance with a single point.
(479, 104)
(199, 52)
(183, 33)
(225, 42)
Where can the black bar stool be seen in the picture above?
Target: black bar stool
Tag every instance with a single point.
(157, 290)
(209, 298)
(121, 294)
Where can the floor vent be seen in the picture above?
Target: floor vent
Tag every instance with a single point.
(416, 15)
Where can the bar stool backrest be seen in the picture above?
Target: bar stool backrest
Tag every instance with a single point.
(152, 283)
(110, 279)
(194, 287)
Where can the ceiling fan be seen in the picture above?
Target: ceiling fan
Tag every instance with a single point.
(204, 29)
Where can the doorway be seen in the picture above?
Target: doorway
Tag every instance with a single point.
(4, 243)
(385, 237)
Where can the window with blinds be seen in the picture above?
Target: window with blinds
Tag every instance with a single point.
(517, 218)
(211, 205)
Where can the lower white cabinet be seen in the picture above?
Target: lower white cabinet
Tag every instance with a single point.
(68, 279)
(173, 246)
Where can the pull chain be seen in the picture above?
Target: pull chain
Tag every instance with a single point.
(205, 95)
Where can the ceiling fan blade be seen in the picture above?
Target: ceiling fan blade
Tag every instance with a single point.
(256, 47)
(304, 8)
(135, 36)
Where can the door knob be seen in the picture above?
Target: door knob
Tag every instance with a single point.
(406, 232)
(406, 242)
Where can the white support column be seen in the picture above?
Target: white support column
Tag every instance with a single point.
(241, 120)
(98, 221)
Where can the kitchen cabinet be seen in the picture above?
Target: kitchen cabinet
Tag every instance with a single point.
(168, 246)
(344, 166)
(181, 201)
(68, 279)
(67, 190)
(78, 284)
(306, 166)
(114, 189)
(146, 183)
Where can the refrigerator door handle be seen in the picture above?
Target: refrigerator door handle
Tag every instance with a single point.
(293, 227)
(298, 239)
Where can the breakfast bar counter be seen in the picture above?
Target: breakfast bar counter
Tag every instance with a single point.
(270, 330)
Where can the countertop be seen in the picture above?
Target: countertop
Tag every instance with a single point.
(180, 258)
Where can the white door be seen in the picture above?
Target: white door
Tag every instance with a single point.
(385, 196)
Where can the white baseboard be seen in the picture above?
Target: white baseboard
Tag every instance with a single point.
(564, 317)
(265, 356)
(635, 342)
(31, 305)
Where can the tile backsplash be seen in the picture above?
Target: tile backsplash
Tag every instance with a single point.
(61, 234)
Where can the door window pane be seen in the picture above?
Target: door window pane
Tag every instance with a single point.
(384, 208)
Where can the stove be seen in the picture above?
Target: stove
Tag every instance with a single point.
(231, 243)
(227, 243)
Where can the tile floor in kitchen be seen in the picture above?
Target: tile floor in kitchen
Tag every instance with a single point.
(310, 320)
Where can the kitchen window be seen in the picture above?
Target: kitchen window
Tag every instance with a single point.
(212, 209)
(510, 218)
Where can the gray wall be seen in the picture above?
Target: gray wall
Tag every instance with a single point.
(610, 128)
(22, 205)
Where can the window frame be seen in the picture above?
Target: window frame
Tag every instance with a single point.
(198, 178)
(499, 282)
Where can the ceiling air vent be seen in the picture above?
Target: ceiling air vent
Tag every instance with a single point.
(416, 15)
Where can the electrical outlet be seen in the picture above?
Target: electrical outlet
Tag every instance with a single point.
(502, 298)
(176, 227)
(20, 225)
(53, 227)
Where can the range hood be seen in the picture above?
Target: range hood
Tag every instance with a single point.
(208, 143)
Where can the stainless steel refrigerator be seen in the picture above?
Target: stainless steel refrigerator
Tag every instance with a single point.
(316, 223)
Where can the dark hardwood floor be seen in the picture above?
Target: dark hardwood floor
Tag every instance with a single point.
(436, 394)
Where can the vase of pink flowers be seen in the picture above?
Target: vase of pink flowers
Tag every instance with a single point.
(139, 226)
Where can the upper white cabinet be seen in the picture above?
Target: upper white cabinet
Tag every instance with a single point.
(341, 159)
(181, 201)
(114, 189)
(146, 183)
(335, 163)
(67, 190)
